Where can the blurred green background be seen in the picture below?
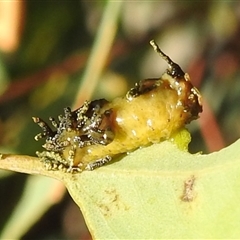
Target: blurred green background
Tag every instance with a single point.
(45, 48)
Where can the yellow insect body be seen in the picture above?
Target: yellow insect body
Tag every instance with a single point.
(149, 113)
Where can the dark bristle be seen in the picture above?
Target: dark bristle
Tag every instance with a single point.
(174, 69)
(47, 131)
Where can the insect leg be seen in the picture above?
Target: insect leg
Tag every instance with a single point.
(98, 163)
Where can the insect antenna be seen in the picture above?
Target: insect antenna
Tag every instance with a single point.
(174, 69)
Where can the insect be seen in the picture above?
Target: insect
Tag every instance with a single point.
(150, 112)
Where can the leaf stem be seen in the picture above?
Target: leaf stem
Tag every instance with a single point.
(26, 164)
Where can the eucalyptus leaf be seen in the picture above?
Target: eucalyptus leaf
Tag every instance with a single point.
(156, 192)
(162, 192)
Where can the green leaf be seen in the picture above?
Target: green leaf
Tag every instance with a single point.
(162, 192)
(154, 192)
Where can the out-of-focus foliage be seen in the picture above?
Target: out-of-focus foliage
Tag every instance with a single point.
(42, 76)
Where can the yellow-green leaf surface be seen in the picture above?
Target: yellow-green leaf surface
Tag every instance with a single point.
(157, 192)
(162, 192)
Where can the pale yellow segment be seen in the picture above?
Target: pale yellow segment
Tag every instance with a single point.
(148, 118)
